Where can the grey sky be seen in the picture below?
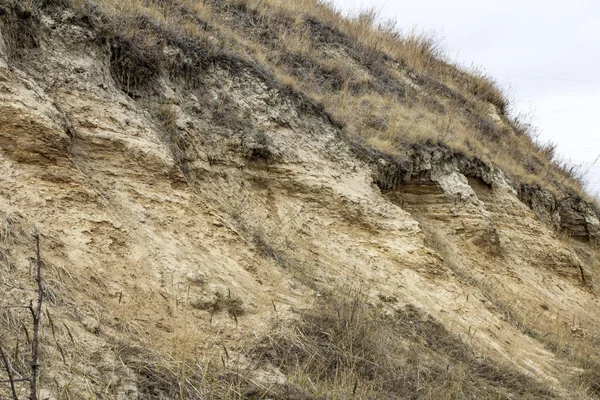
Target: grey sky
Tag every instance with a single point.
(545, 53)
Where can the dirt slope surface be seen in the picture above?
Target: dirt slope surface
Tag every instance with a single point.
(194, 220)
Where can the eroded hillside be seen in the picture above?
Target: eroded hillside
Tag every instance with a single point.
(229, 212)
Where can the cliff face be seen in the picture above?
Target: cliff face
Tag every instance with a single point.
(193, 218)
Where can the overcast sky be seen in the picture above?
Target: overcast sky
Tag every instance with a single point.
(545, 53)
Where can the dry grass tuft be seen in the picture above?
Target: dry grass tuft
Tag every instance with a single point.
(222, 303)
(344, 348)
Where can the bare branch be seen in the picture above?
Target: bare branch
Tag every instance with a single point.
(16, 380)
(9, 372)
(37, 316)
(16, 287)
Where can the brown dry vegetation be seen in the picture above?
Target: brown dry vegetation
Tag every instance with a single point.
(348, 344)
(343, 347)
(385, 89)
(346, 348)
(566, 340)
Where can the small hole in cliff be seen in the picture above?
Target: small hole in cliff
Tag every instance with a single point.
(134, 67)
(257, 146)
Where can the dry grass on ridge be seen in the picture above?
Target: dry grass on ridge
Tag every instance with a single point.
(385, 89)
